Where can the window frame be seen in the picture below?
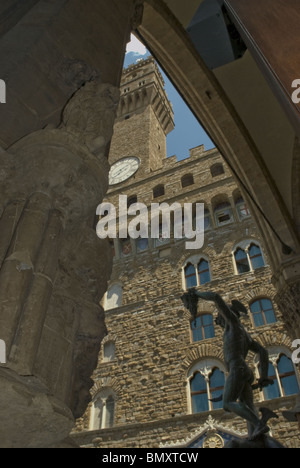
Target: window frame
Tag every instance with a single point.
(262, 311)
(246, 246)
(206, 368)
(195, 262)
(274, 359)
(203, 328)
(103, 398)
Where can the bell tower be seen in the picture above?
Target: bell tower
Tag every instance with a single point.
(144, 118)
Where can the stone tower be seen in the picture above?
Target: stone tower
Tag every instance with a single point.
(144, 111)
(158, 368)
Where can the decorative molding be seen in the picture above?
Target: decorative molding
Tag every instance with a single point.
(211, 426)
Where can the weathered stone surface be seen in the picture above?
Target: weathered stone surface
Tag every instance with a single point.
(51, 279)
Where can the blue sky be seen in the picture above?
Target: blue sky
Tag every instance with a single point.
(187, 133)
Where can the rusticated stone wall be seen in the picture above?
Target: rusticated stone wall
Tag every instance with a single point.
(151, 329)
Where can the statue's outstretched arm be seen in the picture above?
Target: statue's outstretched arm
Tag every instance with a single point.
(217, 299)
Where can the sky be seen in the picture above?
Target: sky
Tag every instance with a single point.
(187, 133)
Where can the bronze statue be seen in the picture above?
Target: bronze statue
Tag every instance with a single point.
(238, 390)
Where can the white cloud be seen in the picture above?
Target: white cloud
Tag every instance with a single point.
(136, 46)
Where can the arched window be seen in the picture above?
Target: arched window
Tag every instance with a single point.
(109, 349)
(262, 312)
(206, 383)
(241, 260)
(203, 328)
(217, 170)
(282, 372)
(103, 411)
(114, 297)
(158, 191)
(190, 276)
(187, 180)
(256, 257)
(248, 257)
(197, 273)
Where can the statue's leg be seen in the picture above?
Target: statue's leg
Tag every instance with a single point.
(246, 397)
(234, 388)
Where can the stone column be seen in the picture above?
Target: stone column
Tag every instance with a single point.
(53, 270)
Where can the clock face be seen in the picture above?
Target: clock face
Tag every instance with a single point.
(123, 169)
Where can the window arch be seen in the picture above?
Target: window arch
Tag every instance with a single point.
(217, 170)
(158, 191)
(103, 410)
(197, 272)
(248, 256)
(262, 312)
(206, 382)
(202, 328)
(187, 180)
(282, 372)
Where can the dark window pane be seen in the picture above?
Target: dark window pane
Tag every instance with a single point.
(287, 376)
(198, 383)
(256, 257)
(290, 385)
(200, 403)
(190, 276)
(204, 274)
(110, 408)
(196, 327)
(187, 180)
(272, 391)
(216, 382)
(199, 394)
(216, 170)
(242, 263)
(203, 328)
(263, 312)
(142, 244)
(158, 191)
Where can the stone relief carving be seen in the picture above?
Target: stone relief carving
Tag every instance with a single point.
(90, 114)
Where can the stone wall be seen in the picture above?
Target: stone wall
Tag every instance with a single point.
(151, 330)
